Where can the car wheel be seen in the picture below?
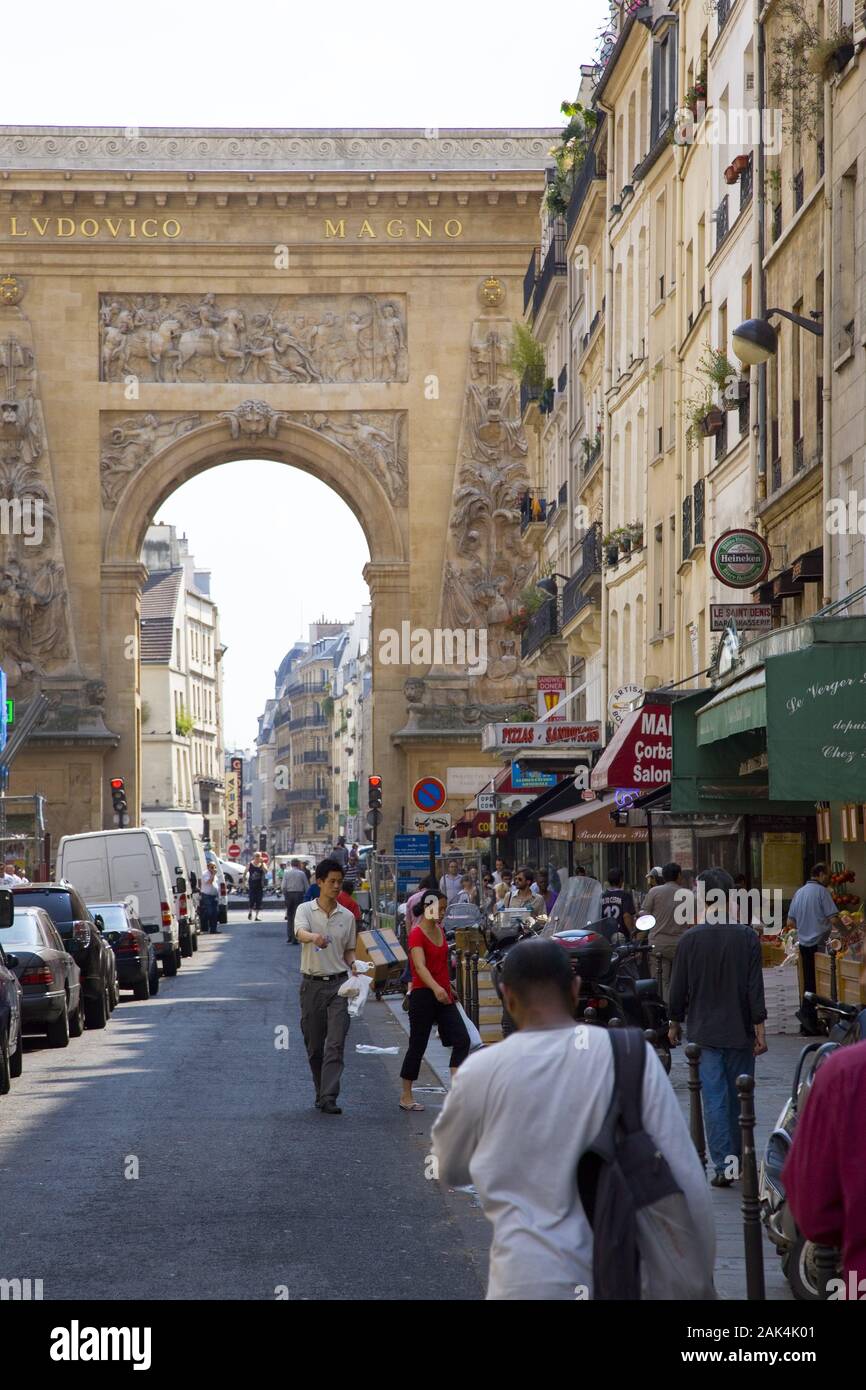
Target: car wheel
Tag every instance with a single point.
(194, 940)
(76, 1022)
(5, 1075)
(800, 1270)
(178, 955)
(169, 964)
(153, 979)
(58, 1031)
(16, 1061)
(96, 1011)
(186, 947)
(141, 988)
(113, 992)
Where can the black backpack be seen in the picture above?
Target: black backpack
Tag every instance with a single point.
(645, 1245)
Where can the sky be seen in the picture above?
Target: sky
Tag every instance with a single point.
(278, 64)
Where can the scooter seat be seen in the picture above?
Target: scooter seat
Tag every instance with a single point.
(647, 989)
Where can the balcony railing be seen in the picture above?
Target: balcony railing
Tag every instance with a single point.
(588, 172)
(563, 494)
(723, 10)
(746, 183)
(687, 527)
(528, 393)
(562, 380)
(799, 455)
(820, 152)
(308, 721)
(590, 456)
(543, 625)
(576, 594)
(554, 265)
(308, 794)
(698, 512)
(530, 278)
(723, 225)
(721, 439)
(301, 687)
(532, 509)
(776, 474)
(315, 755)
(798, 190)
(777, 221)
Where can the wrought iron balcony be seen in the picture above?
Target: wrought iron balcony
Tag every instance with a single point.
(308, 721)
(698, 511)
(554, 265)
(528, 394)
(315, 755)
(746, 182)
(313, 795)
(777, 221)
(302, 687)
(578, 592)
(721, 439)
(530, 278)
(798, 190)
(588, 171)
(723, 10)
(562, 380)
(687, 527)
(723, 225)
(533, 510)
(543, 625)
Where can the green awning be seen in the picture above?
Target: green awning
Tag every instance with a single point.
(738, 709)
(816, 738)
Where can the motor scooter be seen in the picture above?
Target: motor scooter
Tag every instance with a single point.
(846, 1024)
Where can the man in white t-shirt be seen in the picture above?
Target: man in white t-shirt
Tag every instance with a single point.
(520, 1115)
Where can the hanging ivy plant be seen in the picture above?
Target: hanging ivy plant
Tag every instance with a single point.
(526, 357)
(791, 81)
(569, 155)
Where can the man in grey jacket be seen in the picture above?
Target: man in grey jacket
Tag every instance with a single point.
(294, 888)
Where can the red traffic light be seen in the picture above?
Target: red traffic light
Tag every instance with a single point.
(375, 781)
(117, 784)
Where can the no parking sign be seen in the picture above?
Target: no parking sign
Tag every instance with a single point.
(429, 794)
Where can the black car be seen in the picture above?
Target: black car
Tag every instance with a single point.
(52, 1002)
(82, 938)
(11, 1047)
(135, 958)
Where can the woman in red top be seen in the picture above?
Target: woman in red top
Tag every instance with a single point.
(431, 999)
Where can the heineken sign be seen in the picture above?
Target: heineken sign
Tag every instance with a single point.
(740, 559)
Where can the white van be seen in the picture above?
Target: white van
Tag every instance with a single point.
(110, 865)
(183, 907)
(193, 853)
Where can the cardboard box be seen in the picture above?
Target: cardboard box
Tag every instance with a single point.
(383, 950)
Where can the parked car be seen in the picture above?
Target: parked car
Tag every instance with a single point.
(52, 998)
(187, 919)
(112, 865)
(11, 1046)
(233, 873)
(82, 938)
(134, 956)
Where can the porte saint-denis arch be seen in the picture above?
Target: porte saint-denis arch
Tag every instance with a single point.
(340, 301)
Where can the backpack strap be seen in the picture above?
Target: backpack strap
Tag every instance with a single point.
(629, 1054)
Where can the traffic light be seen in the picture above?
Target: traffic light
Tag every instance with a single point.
(263, 841)
(118, 800)
(374, 793)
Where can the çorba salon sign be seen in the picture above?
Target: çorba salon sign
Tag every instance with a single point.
(816, 723)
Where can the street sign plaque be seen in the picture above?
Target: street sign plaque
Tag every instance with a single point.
(430, 821)
(488, 801)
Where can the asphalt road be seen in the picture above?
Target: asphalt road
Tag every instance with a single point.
(243, 1189)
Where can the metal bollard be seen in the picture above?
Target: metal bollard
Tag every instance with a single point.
(473, 1010)
(614, 1022)
(834, 983)
(660, 971)
(752, 1236)
(458, 980)
(696, 1108)
(826, 1267)
(590, 1015)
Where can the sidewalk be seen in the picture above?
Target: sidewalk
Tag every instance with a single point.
(773, 1075)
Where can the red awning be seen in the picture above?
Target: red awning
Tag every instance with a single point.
(640, 753)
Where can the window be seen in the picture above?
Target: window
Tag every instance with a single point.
(845, 277)
(660, 250)
(659, 577)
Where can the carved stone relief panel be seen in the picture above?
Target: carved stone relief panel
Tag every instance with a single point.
(375, 438)
(35, 635)
(253, 338)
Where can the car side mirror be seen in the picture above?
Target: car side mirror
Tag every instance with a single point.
(7, 908)
(12, 961)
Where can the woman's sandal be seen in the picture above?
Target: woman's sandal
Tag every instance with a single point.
(416, 1105)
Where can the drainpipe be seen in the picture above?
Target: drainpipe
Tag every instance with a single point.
(759, 456)
(607, 381)
(680, 666)
(827, 306)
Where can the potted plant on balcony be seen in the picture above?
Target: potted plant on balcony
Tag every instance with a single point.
(740, 162)
(829, 56)
(569, 156)
(634, 531)
(696, 95)
(529, 601)
(731, 175)
(526, 359)
(610, 542)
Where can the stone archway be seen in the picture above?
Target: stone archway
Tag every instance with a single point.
(197, 443)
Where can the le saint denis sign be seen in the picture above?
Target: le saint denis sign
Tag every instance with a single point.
(56, 228)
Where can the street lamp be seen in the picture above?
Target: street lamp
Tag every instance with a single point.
(756, 340)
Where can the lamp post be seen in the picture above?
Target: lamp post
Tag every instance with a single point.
(756, 340)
